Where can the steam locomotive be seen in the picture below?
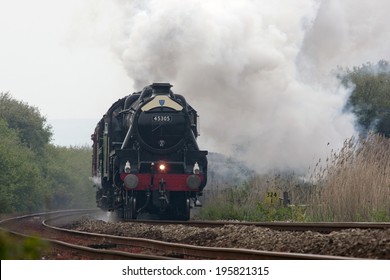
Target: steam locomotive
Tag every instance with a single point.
(146, 158)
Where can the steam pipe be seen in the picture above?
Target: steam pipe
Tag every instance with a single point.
(124, 144)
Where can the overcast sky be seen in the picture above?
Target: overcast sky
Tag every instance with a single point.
(258, 72)
(56, 55)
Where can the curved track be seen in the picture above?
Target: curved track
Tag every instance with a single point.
(64, 245)
(82, 245)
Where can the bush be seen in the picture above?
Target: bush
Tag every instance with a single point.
(248, 202)
(28, 249)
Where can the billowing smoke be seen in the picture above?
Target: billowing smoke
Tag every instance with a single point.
(347, 33)
(258, 72)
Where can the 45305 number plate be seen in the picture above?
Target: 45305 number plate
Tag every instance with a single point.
(162, 118)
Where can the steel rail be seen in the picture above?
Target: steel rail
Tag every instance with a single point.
(282, 226)
(177, 249)
(66, 213)
(94, 253)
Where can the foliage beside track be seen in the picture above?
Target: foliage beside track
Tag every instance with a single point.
(35, 175)
(370, 95)
(30, 248)
(351, 185)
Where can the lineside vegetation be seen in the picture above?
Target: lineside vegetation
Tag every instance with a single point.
(36, 175)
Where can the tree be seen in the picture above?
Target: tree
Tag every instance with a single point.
(22, 186)
(370, 96)
(31, 126)
(34, 174)
(68, 173)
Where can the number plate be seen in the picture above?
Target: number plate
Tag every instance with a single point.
(162, 118)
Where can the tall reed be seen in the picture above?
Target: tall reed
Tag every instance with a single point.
(354, 185)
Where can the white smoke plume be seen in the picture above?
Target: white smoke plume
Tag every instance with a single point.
(258, 72)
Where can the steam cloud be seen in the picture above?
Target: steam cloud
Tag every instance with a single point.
(258, 72)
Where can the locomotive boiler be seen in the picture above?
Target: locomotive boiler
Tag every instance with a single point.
(146, 158)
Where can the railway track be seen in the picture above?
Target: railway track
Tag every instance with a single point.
(323, 227)
(63, 244)
(83, 245)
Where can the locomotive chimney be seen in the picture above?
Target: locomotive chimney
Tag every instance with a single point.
(161, 88)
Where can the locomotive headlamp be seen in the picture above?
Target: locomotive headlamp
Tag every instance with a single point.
(196, 168)
(162, 167)
(127, 167)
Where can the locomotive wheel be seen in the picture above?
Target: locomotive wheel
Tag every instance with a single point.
(129, 210)
(183, 213)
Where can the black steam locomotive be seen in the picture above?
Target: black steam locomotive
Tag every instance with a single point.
(146, 158)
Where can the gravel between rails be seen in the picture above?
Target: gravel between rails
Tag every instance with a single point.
(356, 243)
